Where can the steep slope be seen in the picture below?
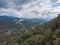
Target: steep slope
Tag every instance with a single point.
(37, 35)
(54, 24)
(45, 34)
(10, 24)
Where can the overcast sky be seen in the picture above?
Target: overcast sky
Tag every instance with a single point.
(30, 8)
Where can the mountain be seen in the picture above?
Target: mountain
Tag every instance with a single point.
(13, 24)
(8, 18)
(33, 21)
(24, 21)
(8, 25)
(53, 24)
(45, 33)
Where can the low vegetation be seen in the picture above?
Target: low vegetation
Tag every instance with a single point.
(45, 34)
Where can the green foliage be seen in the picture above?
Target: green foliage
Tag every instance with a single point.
(45, 34)
(57, 33)
(35, 40)
(48, 33)
(57, 41)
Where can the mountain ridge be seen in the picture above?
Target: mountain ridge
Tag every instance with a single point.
(47, 33)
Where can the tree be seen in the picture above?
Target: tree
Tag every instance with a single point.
(35, 40)
(57, 33)
(57, 41)
(48, 37)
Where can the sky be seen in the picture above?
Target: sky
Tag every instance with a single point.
(30, 8)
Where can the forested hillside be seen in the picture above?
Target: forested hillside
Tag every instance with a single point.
(45, 34)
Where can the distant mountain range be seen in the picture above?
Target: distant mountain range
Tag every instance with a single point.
(24, 21)
(12, 24)
(22, 31)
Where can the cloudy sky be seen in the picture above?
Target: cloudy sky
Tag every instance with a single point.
(30, 8)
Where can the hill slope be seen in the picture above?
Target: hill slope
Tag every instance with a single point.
(45, 34)
(13, 24)
(54, 24)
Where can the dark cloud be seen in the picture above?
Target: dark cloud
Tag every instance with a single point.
(36, 12)
(18, 8)
(3, 4)
(53, 1)
(20, 2)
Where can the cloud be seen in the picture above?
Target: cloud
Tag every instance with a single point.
(20, 2)
(56, 9)
(30, 8)
(3, 4)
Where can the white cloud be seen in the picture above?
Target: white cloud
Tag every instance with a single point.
(58, 1)
(56, 9)
(34, 9)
